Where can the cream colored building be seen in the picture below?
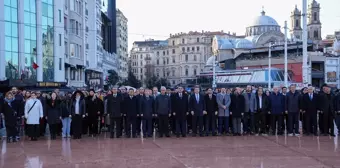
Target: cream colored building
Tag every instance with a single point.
(122, 43)
(179, 59)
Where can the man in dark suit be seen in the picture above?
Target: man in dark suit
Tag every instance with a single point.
(309, 106)
(212, 111)
(262, 110)
(140, 98)
(326, 104)
(115, 111)
(197, 108)
(131, 112)
(147, 111)
(181, 110)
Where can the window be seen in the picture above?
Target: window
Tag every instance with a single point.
(316, 34)
(66, 49)
(167, 52)
(188, 49)
(173, 42)
(72, 50)
(60, 64)
(183, 41)
(59, 13)
(157, 74)
(141, 70)
(167, 61)
(157, 53)
(315, 16)
(186, 72)
(173, 72)
(198, 48)
(297, 24)
(77, 27)
(59, 39)
(198, 39)
(173, 51)
(193, 48)
(141, 63)
(195, 58)
(73, 26)
(186, 57)
(65, 25)
(157, 61)
(183, 49)
(163, 53)
(173, 59)
(72, 7)
(195, 72)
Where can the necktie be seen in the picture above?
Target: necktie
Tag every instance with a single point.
(310, 96)
(180, 95)
(197, 98)
(115, 95)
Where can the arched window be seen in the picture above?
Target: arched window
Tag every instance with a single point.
(297, 23)
(173, 42)
(183, 41)
(315, 16)
(316, 34)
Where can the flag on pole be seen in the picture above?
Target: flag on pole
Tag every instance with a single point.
(11, 66)
(35, 66)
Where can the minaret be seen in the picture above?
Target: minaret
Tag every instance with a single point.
(314, 24)
(296, 30)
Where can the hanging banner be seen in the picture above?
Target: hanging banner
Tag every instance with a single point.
(332, 71)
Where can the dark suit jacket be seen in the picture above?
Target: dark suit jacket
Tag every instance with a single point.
(147, 107)
(308, 105)
(199, 107)
(115, 105)
(131, 106)
(265, 104)
(211, 104)
(181, 105)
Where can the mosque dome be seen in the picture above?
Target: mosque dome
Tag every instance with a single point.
(226, 44)
(264, 20)
(244, 43)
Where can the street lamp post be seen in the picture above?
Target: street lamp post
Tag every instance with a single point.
(270, 66)
(286, 57)
(304, 45)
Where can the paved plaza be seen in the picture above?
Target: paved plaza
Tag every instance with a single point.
(195, 152)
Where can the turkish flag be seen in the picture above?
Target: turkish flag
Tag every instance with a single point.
(35, 66)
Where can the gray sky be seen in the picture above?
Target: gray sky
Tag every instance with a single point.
(158, 18)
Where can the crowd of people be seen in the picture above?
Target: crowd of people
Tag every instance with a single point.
(148, 112)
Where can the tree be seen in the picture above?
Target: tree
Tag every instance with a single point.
(163, 82)
(131, 81)
(151, 81)
(113, 77)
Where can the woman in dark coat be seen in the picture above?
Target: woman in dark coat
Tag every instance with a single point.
(10, 112)
(53, 114)
(94, 109)
(78, 110)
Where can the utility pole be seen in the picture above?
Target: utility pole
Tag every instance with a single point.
(304, 46)
(270, 66)
(286, 57)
